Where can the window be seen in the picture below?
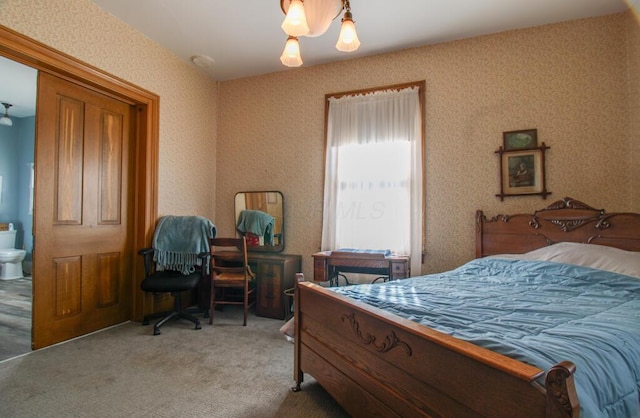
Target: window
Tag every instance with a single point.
(373, 194)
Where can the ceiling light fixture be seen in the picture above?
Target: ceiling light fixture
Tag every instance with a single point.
(312, 18)
(291, 54)
(6, 120)
(202, 61)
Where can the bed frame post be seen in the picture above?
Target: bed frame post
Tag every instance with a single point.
(562, 398)
(479, 218)
(298, 375)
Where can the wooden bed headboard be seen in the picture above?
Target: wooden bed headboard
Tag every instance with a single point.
(567, 220)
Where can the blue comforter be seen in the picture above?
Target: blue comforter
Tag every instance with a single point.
(537, 312)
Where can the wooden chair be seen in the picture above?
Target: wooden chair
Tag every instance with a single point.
(232, 281)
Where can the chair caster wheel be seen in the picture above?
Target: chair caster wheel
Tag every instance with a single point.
(156, 332)
(198, 326)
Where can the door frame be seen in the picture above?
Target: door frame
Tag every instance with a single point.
(145, 128)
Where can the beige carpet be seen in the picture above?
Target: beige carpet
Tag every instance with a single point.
(225, 370)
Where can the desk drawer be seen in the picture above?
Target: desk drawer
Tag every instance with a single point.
(320, 270)
(399, 268)
(320, 274)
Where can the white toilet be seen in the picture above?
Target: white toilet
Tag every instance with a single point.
(10, 257)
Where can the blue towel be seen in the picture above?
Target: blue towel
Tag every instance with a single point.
(179, 239)
(258, 223)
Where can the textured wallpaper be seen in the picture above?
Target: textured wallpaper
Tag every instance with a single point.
(633, 25)
(576, 82)
(567, 80)
(187, 96)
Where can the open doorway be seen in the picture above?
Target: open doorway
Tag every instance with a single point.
(143, 114)
(18, 86)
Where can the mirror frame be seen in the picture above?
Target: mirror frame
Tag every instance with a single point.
(237, 209)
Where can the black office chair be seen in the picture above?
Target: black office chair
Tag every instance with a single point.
(168, 281)
(174, 264)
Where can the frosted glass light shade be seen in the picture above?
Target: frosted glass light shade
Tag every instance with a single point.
(291, 54)
(319, 14)
(295, 22)
(348, 40)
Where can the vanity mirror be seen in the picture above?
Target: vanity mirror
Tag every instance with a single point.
(260, 218)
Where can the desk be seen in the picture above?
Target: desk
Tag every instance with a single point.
(328, 265)
(275, 272)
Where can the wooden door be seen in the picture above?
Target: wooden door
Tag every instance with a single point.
(82, 263)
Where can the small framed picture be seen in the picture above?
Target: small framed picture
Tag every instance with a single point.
(523, 172)
(520, 140)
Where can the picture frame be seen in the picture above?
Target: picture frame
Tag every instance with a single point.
(522, 172)
(520, 140)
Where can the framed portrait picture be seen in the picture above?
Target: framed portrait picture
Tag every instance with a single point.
(520, 140)
(523, 172)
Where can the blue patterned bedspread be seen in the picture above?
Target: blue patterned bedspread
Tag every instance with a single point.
(537, 312)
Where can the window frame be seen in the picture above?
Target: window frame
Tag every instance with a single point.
(421, 85)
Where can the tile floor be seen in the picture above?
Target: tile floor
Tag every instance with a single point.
(15, 317)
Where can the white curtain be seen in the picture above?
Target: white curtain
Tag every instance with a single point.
(373, 174)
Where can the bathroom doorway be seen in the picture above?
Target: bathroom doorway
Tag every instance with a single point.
(143, 170)
(18, 86)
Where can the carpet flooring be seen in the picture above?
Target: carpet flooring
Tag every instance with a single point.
(224, 370)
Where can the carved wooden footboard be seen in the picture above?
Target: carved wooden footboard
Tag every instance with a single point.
(378, 364)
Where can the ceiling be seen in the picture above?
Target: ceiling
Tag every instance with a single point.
(244, 37)
(17, 87)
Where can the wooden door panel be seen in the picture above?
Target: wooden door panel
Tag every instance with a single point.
(83, 240)
(68, 287)
(69, 148)
(110, 169)
(108, 279)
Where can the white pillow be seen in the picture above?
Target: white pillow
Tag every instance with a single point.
(587, 255)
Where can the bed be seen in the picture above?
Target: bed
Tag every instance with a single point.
(376, 362)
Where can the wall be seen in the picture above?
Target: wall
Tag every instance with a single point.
(187, 96)
(25, 159)
(634, 103)
(16, 156)
(9, 148)
(568, 80)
